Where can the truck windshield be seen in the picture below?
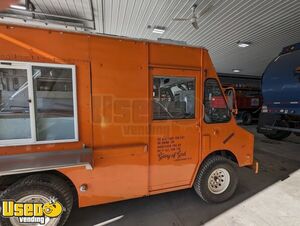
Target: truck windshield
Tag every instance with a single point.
(216, 109)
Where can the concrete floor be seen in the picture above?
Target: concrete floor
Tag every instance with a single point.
(269, 198)
(278, 204)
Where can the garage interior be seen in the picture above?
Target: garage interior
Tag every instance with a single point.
(242, 37)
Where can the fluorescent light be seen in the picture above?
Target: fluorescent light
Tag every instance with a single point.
(236, 70)
(159, 30)
(243, 44)
(18, 7)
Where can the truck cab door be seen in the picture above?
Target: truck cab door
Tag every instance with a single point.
(174, 127)
(219, 129)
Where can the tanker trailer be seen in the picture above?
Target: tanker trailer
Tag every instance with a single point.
(280, 115)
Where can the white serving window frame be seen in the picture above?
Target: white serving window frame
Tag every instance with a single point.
(28, 66)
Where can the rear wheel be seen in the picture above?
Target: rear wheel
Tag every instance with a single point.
(247, 118)
(279, 134)
(217, 180)
(40, 188)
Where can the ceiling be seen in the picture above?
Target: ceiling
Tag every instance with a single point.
(268, 24)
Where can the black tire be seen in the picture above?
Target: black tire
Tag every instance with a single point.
(201, 184)
(247, 118)
(40, 184)
(279, 134)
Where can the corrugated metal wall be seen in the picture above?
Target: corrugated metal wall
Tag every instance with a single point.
(268, 24)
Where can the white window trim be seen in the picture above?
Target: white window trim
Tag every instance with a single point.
(28, 66)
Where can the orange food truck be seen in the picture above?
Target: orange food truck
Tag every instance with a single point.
(88, 120)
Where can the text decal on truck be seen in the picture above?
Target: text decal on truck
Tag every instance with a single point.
(31, 212)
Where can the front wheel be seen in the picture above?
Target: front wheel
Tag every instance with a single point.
(217, 180)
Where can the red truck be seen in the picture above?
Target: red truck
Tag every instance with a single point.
(248, 95)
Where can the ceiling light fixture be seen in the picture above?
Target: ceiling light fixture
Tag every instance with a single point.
(21, 7)
(159, 30)
(236, 70)
(243, 44)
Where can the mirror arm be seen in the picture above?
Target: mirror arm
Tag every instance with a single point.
(234, 109)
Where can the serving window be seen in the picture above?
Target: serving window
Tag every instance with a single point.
(37, 103)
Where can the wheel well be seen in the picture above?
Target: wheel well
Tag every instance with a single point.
(224, 153)
(6, 181)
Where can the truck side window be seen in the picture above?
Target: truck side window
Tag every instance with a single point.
(54, 104)
(173, 98)
(37, 105)
(216, 109)
(14, 106)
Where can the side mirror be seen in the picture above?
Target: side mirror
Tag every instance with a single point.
(231, 99)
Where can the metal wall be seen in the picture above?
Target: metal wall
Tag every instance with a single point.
(268, 24)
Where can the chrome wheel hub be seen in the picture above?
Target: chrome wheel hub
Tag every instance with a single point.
(218, 181)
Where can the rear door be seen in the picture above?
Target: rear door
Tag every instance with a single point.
(174, 128)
